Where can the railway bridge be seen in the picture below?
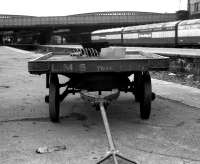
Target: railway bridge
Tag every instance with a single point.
(69, 28)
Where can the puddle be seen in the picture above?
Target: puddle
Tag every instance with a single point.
(180, 124)
(4, 86)
(78, 116)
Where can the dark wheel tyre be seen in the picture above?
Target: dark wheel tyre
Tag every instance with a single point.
(54, 103)
(137, 86)
(146, 96)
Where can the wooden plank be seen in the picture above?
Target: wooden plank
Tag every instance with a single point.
(71, 64)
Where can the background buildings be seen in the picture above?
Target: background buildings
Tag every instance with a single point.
(194, 8)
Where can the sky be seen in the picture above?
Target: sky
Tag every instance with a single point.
(69, 7)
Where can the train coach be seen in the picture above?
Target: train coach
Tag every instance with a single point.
(161, 34)
(189, 33)
(112, 36)
(169, 34)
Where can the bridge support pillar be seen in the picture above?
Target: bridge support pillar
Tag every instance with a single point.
(14, 39)
(45, 37)
(1, 40)
(62, 39)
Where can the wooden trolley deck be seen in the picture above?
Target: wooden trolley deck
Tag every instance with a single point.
(64, 63)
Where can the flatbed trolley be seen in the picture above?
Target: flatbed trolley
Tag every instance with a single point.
(98, 72)
(89, 71)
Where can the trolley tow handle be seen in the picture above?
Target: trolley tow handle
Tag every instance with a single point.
(102, 102)
(108, 133)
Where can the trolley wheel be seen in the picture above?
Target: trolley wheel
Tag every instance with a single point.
(54, 103)
(137, 86)
(146, 96)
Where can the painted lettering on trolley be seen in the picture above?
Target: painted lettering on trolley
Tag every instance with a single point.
(68, 67)
(101, 68)
(82, 68)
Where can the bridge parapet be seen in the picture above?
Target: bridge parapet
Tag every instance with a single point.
(126, 18)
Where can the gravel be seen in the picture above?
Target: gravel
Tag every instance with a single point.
(180, 78)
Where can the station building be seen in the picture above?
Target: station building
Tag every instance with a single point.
(194, 8)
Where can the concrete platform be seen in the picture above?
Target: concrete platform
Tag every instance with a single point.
(170, 52)
(177, 92)
(170, 136)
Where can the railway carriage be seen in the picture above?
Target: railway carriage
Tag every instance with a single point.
(163, 34)
(171, 34)
(112, 36)
(136, 35)
(189, 33)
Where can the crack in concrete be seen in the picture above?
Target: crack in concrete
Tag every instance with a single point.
(77, 116)
(154, 125)
(40, 119)
(45, 119)
(179, 102)
(167, 155)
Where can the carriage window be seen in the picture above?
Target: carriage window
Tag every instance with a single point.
(196, 7)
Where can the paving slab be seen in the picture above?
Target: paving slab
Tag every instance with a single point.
(177, 92)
